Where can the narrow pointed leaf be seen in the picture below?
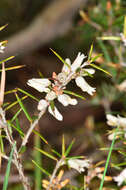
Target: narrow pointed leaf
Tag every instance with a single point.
(46, 154)
(55, 152)
(31, 96)
(16, 115)
(63, 146)
(116, 38)
(90, 52)
(5, 184)
(96, 57)
(23, 108)
(74, 94)
(69, 148)
(14, 103)
(10, 91)
(17, 129)
(13, 68)
(42, 169)
(124, 28)
(60, 58)
(37, 133)
(7, 59)
(99, 68)
(2, 27)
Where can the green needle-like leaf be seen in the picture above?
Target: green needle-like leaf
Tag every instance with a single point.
(23, 108)
(99, 68)
(46, 154)
(42, 169)
(69, 148)
(5, 184)
(74, 94)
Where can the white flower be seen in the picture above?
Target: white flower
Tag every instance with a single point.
(116, 121)
(2, 48)
(121, 177)
(65, 68)
(78, 164)
(55, 113)
(42, 105)
(78, 61)
(90, 71)
(80, 81)
(66, 100)
(50, 96)
(123, 38)
(39, 84)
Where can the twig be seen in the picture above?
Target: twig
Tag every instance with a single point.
(25, 140)
(54, 172)
(16, 158)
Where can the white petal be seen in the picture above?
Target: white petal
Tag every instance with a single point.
(90, 71)
(122, 121)
(65, 68)
(50, 96)
(55, 113)
(39, 84)
(78, 61)
(121, 177)
(42, 105)
(112, 120)
(78, 164)
(62, 77)
(66, 100)
(80, 81)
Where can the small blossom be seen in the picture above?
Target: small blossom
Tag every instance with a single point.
(121, 177)
(2, 47)
(65, 68)
(80, 81)
(42, 105)
(66, 100)
(55, 113)
(78, 164)
(39, 84)
(116, 121)
(123, 38)
(78, 61)
(50, 96)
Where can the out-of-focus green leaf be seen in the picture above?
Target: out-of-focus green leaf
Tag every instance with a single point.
(22, 150)
(46, 154)
(23, 108)
(124, 28)
(74, 94)
(115, 38)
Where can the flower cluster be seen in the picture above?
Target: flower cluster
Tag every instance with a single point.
(54, 87)
(116, 122)
(121, 177)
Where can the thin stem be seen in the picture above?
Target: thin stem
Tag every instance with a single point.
(16, 158)
(54, 172)
(108, 159)
(25, 140)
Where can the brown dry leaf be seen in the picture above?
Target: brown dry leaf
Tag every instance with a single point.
(2, 85)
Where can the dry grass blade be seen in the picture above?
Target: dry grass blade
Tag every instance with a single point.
(2, 85)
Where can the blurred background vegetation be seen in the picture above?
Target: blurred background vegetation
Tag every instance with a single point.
(68, 27)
